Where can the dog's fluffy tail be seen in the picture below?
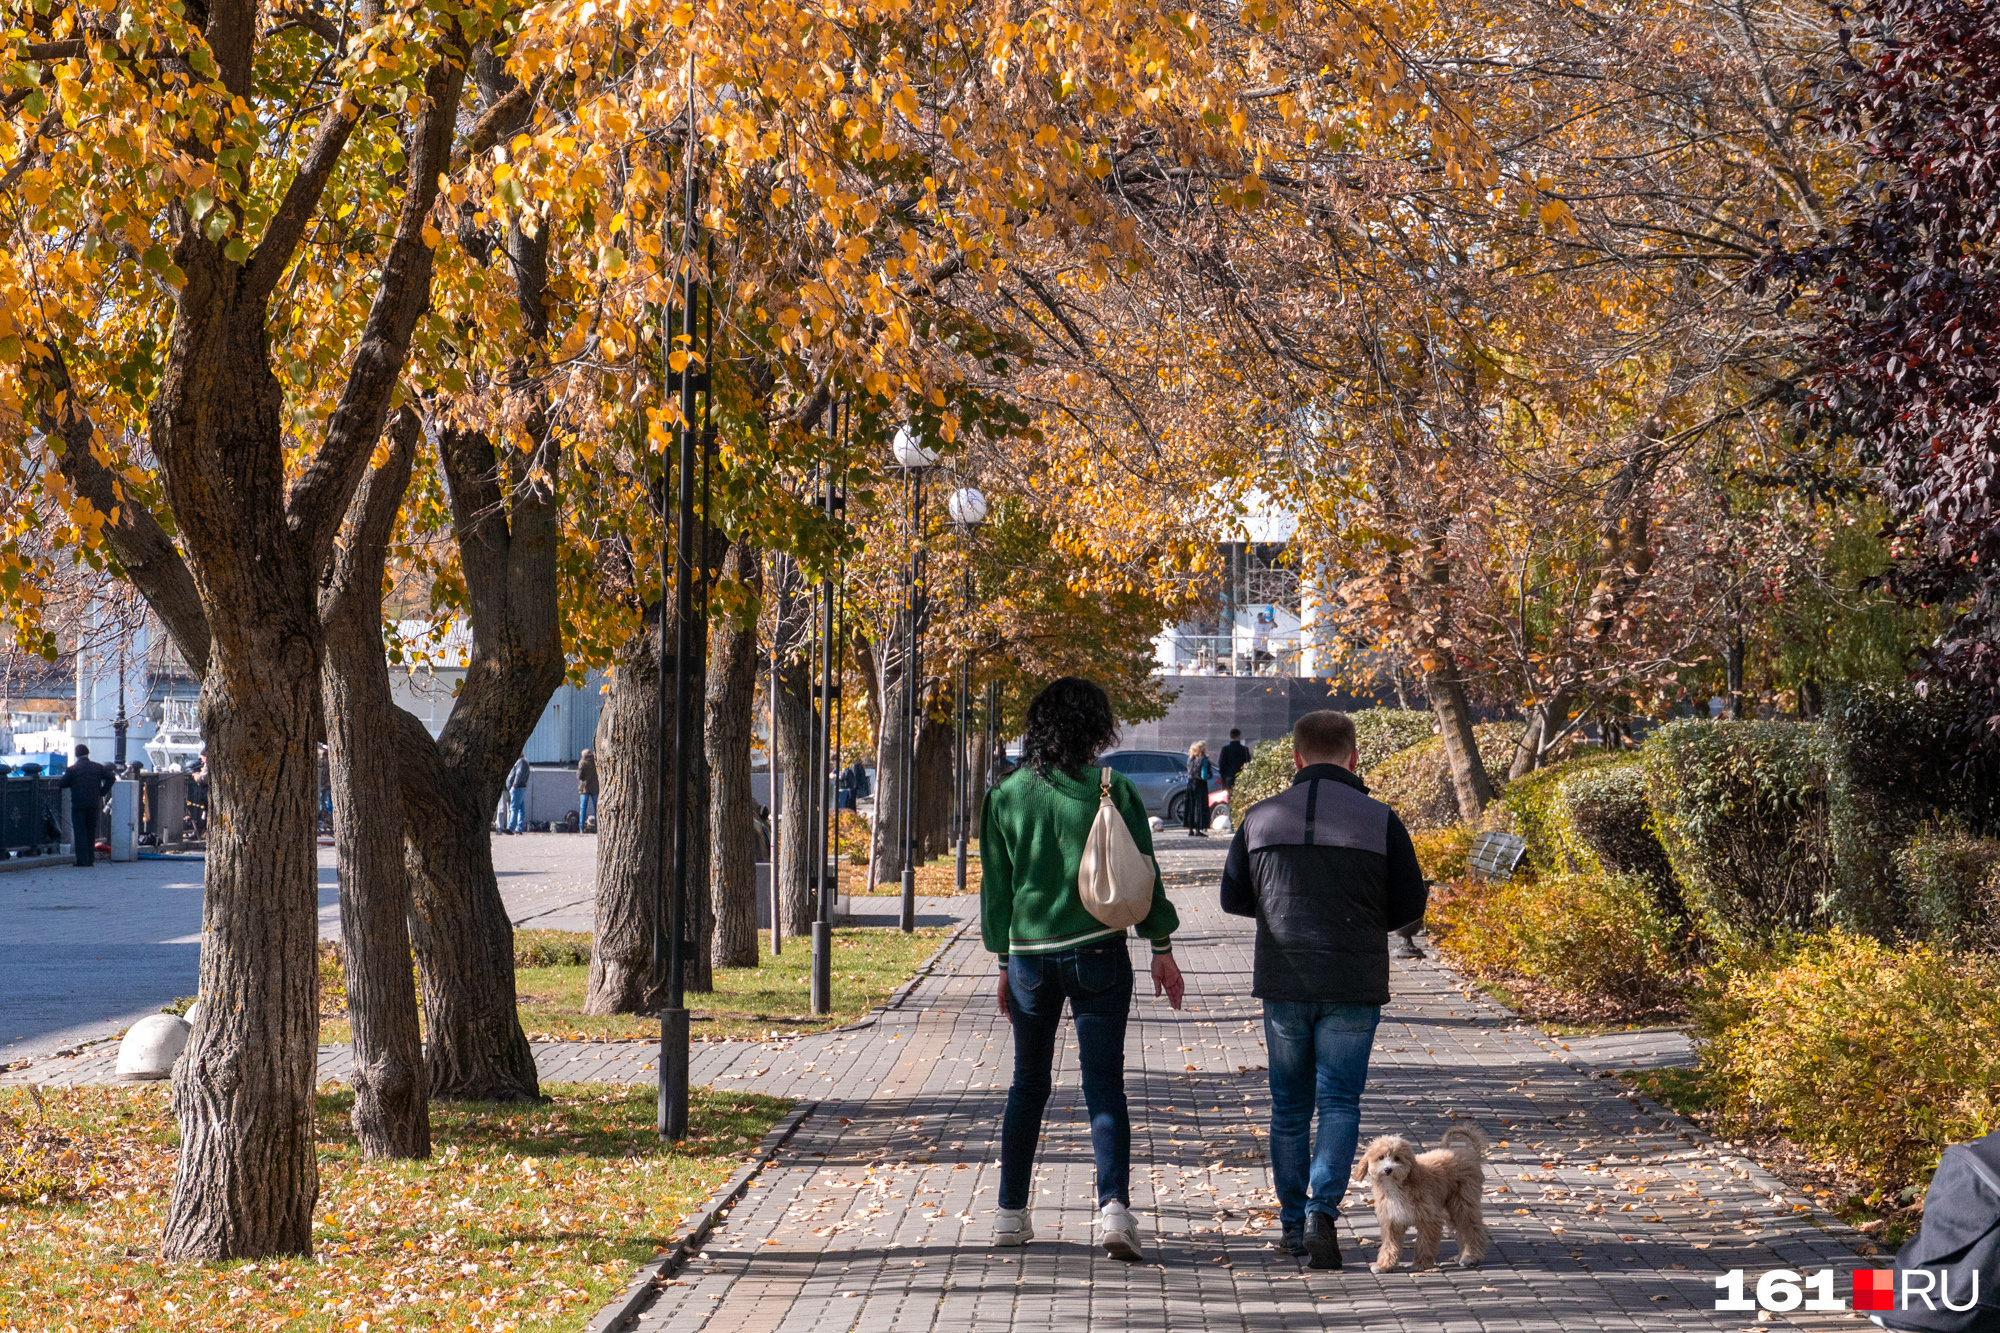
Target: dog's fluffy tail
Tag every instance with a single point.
(1470, 1137)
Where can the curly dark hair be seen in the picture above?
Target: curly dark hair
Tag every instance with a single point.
(1069, 724)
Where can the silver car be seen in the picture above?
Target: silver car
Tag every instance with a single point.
(1160, 776)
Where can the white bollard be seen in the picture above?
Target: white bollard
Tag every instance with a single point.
(151, 1046)
(124, 832)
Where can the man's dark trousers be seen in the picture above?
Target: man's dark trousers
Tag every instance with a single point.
(83, 827)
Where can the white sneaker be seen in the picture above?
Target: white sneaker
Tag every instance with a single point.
(1012, 1226)
(1118, 1231)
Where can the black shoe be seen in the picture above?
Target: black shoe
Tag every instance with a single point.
(1293, 1241)
(1322, 1246)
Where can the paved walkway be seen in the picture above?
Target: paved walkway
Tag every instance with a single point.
(875, 1216)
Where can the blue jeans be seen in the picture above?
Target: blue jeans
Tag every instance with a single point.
(1319, 1059)
(588, 812)
(1096, 979)
(517, 809)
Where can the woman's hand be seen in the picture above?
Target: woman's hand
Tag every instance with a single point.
(1167, 978)
(1005, 1003)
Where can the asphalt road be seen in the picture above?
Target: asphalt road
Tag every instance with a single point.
(85, 953)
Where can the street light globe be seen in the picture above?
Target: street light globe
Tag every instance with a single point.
(910, 451)
(967, 506)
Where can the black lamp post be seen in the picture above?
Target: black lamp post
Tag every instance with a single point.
(913, 458)
(819, 842)
(681, 638)
(967, 507)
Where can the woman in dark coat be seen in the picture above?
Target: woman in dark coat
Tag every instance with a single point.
(1194, 802)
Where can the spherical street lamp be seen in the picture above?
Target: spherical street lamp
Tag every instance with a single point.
(967, 507)
(910, 450)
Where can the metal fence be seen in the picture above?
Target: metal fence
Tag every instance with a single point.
(1239, 654)
(31, 822)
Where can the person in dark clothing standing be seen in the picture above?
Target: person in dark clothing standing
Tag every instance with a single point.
(1234, 756)
(1194, 798)
(1328, 872)
(518, 778)
(88, 784)
(854, 786)
(586, 788)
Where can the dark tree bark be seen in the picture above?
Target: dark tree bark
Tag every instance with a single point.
(391, 1103)
(506, 522)
(700, 963)
(628, 847)
(732, 699)
(934, 787)
(791, 875)
(255, 539)
(1545, 723)
(505, 517)
(892, 743)
(1469, 778)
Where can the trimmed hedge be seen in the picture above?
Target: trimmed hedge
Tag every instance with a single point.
(1381, 732)
(1416, 780)
(1592, 935)
(1441, 853)
(1891, 767)
(1877, 1056)
(1741, 809)
(1269, 772)
(1953, 883)
(1534, 807)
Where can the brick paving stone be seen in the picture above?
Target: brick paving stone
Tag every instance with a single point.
(875, 1216)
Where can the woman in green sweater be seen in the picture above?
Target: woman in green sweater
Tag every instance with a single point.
(1051, 949)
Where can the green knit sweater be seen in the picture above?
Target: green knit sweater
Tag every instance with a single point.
(1031, 841)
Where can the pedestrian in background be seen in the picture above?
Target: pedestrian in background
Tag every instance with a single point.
(586, 788)
(854, 786)
(89, 783)
(517, 796)
(1194, 801)
(1051, 949)
(1327, 871)
(1234, 756)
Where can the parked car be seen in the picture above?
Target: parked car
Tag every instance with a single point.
(1160, 776)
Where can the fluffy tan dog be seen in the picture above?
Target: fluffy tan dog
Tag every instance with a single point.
(1425, 1191)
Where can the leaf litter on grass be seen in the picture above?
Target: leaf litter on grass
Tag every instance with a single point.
(747, 1004)
(527, 1216)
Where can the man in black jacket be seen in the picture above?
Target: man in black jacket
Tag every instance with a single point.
(1328, 872)
(88, 785)
(1234, 756)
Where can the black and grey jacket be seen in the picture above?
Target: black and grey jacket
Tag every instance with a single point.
(1328, 872)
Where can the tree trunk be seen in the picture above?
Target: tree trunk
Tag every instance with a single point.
(505, 519)
(1469, 779)
(252, 538)
(934, 788)
(1545, 722)
(892, 744)
(731, 704)
(791, 875)
(247, 1179)
(628, 845)
(391, 1104)
(699, 965)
